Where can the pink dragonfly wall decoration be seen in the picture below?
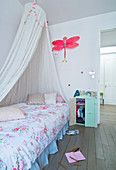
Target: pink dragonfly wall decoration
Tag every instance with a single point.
(65, 44)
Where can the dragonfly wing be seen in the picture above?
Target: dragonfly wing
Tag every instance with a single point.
(58, 42)
(72, 40)
(57, 48)
(73, 45)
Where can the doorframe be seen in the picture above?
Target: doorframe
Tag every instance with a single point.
(98, 78)
(98, 71)
(106, 54)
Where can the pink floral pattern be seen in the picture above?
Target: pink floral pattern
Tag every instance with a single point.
(23, 140)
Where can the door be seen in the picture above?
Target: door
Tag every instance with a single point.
(89, 113)
(110, 79)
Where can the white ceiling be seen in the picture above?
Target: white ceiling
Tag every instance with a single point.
(58, 11)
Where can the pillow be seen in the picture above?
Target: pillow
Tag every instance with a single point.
(50, 98)
(59, 99)
(10, 113)
(36, 99)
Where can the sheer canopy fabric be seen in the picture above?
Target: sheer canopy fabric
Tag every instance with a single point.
(30, 67)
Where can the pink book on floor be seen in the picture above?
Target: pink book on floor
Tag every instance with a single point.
(76, 155)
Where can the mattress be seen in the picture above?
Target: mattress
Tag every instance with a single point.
(23, 141)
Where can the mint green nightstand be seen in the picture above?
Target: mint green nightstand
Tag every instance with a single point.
(89, 105)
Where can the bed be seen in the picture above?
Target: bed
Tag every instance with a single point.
(26, 143)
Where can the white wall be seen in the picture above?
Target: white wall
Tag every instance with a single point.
(10, 14)
(86, 56)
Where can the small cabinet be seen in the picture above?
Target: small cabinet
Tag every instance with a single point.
(83, 111)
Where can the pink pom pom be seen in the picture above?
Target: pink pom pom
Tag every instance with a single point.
(43, 107)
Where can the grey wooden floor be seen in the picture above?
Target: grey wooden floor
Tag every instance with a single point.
(108, 114)
(99, 145)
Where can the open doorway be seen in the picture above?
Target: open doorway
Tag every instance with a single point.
(108, 76)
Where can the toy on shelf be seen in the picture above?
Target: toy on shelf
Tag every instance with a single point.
(77, 93)
(88, 93)
(101, 98)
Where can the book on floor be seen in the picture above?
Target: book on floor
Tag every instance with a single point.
(74, 156)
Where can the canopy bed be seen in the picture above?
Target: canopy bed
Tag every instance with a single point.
(29, 129)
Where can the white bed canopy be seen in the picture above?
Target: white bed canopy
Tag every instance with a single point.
(29, 67)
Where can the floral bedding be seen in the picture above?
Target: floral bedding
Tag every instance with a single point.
(22, 141)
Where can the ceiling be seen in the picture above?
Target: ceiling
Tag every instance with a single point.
(59, 11)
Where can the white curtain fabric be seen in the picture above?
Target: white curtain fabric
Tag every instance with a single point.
(30, 66)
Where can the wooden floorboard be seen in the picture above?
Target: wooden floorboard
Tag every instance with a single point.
(109, 136)
(71, 145)
(62, 145)
(114, 127)
(101, 164)
(109, 161)
(99, 145)
(99, 150)
(91, 150)
(113, 134)
(103, 135)
(84, 142)
(108, 114)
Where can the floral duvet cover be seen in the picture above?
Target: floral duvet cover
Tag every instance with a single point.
(22, 141)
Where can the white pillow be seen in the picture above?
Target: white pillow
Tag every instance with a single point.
(50, 98)
(10, 113)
